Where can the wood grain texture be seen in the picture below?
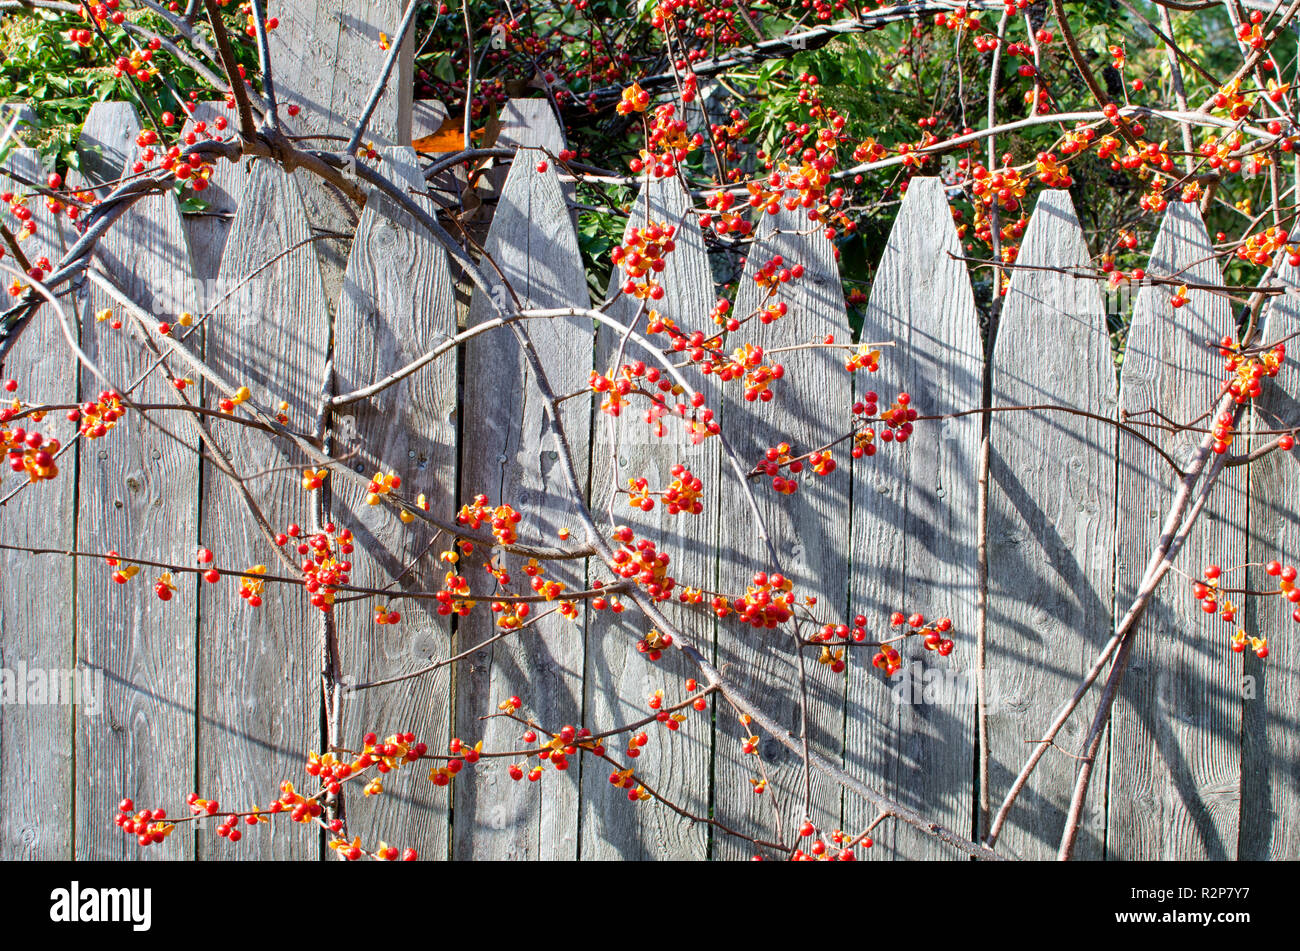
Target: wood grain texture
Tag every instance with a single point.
(619, 679)
(530, 124)
(326, 57)
(138, 493)
(1175, 776)
(398, 303)
(36, 595)
(914, 520)
(107, 145)
(259, 668)
(508, 453)
(809, 530)
(1270, 751)
(208, 230)
(1051, 525)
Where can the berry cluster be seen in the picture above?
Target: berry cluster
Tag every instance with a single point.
(149, 826)
(644, 252)
(768, 600)
(1248, 369)
(29, 452)
(640, 561)
(502, 519)
(97, 418)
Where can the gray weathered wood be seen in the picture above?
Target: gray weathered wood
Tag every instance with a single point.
(207, 231)
(1270, 750)
(106, 147)
(531, 124)
(398, 303)
(509, 454)
(914, 534)
(810, 409)
(138, 494)
(326, 58)
(1175, 776)
(620, 680)
(259, 668)
(1051, 525)
(36, 595)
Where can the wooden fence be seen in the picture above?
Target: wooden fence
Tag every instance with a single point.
(203, 693)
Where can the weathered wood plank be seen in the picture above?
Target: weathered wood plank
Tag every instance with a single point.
(1051, 524)
(106, 147)
(810, 409)
(398, 303)
(259, 694)
(207, 231)
(529, 124)
(1175, 775)
(138, 494)
(619, 679)
(1270, 783)
(914, 519)
(36, 595)
(509, 454)
(327, 57)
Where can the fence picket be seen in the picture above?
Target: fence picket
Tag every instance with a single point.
(207, 231)
(1270, 789)
(808, 529)
(914, 531)
(398, 302)
(509, 454)
(259, 667)
(1175, 764)
(619, 679)
(327, 56)
(138, 494)
(36, 616)
(1051, 523)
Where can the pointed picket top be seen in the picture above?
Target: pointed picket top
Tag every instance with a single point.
(36, 597)
(913, 527)
(1175, 771)
(398, 303)
(208, 231)
(328, 55)
(107, 143)
(509, 453)
(1051, 523)
(1270, 792)
(624, 448)
(530, 124)
(259, 675)
(810, 409)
